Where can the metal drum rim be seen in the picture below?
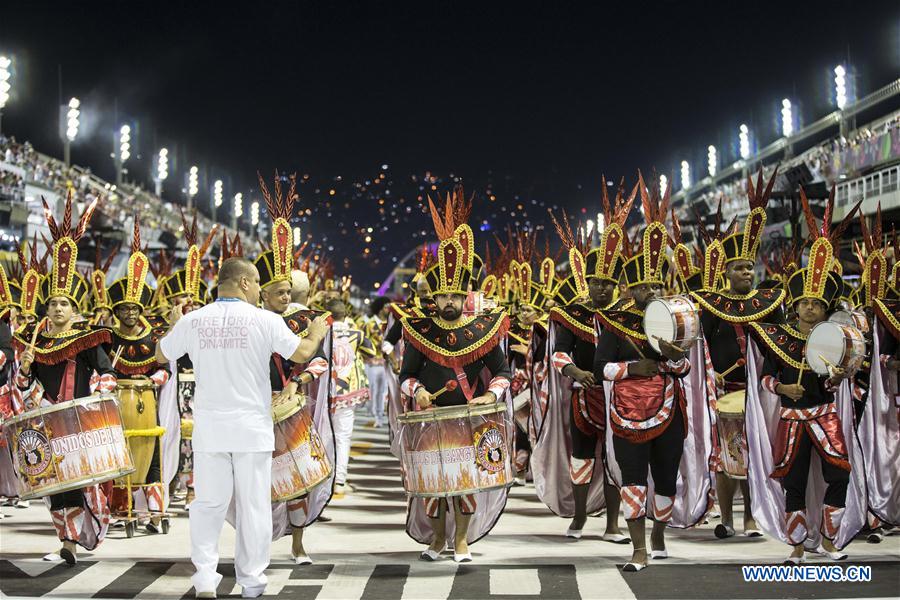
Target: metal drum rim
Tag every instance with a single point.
(442, 413)
(45, 410)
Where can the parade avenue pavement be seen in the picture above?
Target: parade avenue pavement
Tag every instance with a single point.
(364, 552)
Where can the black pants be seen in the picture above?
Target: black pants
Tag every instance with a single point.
(662, 455)
(522, 442)
(72, 499)
(795, 481)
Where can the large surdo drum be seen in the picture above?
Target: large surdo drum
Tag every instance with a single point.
(674, 319)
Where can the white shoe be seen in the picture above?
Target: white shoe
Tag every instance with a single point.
(753, 533)
(659, 554)
(303, 559)
(832, 555)
(795, 560)
(429, 555)
(615, 538)
(23, 503)
(518, 481)
(253, 592)
(53, 557)
(575, 534)
(462, 558)
(631, 567)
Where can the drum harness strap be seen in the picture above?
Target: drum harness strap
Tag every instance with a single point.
(464, 383)
(67, 385)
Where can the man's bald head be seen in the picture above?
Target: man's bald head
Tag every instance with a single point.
(238, 278)
(234, 268)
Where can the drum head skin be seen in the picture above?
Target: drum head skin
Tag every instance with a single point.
(826, 340)
(732, 403)
(658, 321)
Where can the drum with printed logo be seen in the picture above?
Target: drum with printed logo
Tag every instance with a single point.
(185, 391)
(833, 344)
(856, 318)
(68, 446)
(674, 319)
(299, 462)
(137, 401)
(730, 425)
(456, 450)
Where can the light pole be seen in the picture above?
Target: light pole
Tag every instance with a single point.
(238, 210)
(712, 160)
(193, 176)
(5, 85)
(123, 142)
(217, 198)
(162, 169)
(68, 127)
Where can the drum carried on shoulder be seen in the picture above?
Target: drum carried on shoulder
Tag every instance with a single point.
(674, 319)
(68, 446)
(456, 450)
(299, 462)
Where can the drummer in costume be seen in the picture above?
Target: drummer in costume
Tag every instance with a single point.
(59, 366)
(134, 340)
(879, 416)
(578, 398)
(289, 378)
(185, 288)
(8, 479)
(98, 303)
(527, 343)
(809, 415)
(726, 318)
(647, 405)
(450, 347)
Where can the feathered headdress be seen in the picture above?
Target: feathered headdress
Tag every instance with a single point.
(275, 263)
(875, 269)
(64, 279)
(187, 280)
(99, 293)
(605, 261)
(650, 264)
(744, 245)
(575, 285)
(456, 251)
(133, 288)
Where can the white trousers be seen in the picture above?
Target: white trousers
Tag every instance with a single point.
(377, 390)
(342, 422)
(247, 478)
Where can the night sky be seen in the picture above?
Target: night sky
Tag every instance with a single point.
(528, 102)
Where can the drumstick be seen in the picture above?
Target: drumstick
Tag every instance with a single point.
(800, 375)
(116, 356)
(740, 363)
(448, 387)
(34, 335)
(635, 346)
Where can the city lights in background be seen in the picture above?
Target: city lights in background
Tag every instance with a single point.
(744, 138)
(124, 143)
(685, 175)
(840, 87)
(787, 118)
(663, 184)
(217, 193)
(72, 119)
(712, 160)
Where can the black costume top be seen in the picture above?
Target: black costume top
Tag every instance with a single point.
(783, 346)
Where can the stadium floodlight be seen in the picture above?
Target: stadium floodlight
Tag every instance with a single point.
(663, 184)
(685, 175)
(217, 193)
(744, 137)
(787, 118)
(840, 86)
(238, 209)
(601, 222)
(124, 143)
(712, 160)
(298, 236)
(5, 77)
(254, 213)
(72, 119)
(193, 187)
(162, 164)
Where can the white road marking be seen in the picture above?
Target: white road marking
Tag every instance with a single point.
(174, 584)
(430, 580)
(517, 582)
(96, 577)
(346, 581)
(602, 583)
